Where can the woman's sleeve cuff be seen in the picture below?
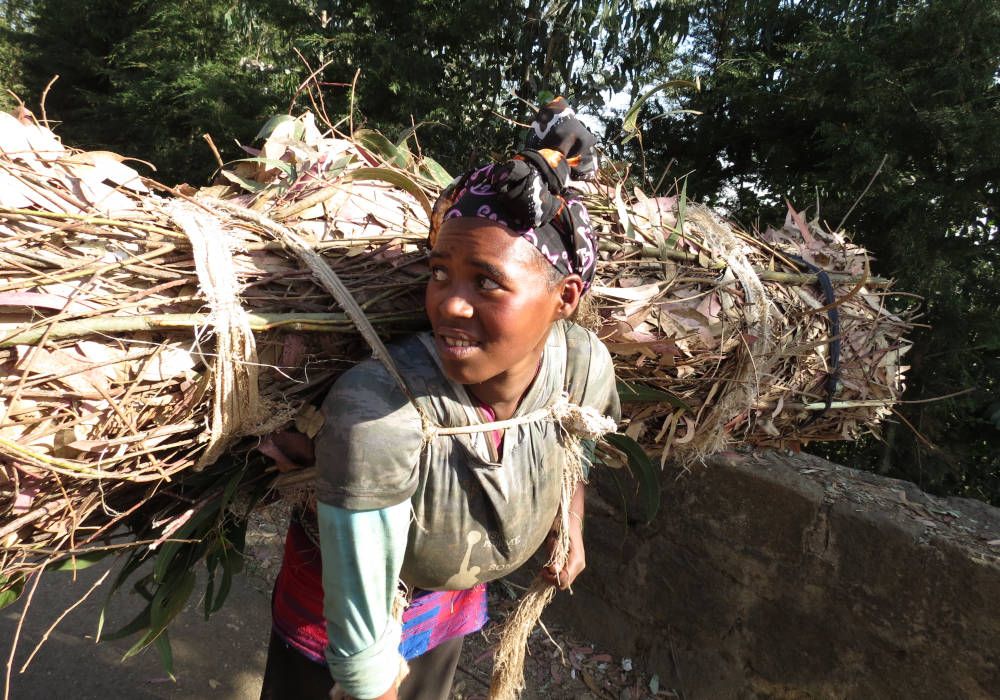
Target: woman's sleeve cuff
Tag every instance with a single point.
(372, 671)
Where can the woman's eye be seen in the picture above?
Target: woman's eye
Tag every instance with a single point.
(438, 274)
(487, 284)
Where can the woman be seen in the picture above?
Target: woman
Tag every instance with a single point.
(511, 255)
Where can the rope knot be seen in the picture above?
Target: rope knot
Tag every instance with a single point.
(584, 422)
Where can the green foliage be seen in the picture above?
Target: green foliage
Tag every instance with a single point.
(647, 476)
(13, 22)
(10, 590)
(148, 79)
(211, 530)
(805, 100)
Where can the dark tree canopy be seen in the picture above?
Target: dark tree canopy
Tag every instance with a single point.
(810, 101)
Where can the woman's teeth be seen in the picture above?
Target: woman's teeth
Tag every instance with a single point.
(457, 343)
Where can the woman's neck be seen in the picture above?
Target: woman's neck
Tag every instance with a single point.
(504, 393)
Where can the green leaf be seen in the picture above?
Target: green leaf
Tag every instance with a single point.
(228, 568)
(228, 554)
(193, 529)
(78, 562)
(11, 590)
(136, 624)
(231, 487)
(637, 392)
(393, 177)
(671, 242)
(629, 124)
(162, 644)
(645, 473)
(169, 600)
(383, 147)
(272, 124)
(287, 169)
(248, 185)
(435, 171)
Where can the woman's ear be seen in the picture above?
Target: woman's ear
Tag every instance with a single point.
(570, 290)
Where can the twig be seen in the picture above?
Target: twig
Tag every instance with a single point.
(557, 645)
(215, 151)
(17, 632)
(41, 100)
(67, 611)
(306, 322)
(857, 201)
(350, 114)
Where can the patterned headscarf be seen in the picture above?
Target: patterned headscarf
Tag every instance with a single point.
(528, 194)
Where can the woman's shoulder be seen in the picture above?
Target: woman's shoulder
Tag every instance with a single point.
(372, 435)
(581, 339)
(370, 382)
(590, 370)
(585, 349)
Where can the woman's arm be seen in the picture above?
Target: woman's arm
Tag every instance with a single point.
(576, 561)
(362, 554)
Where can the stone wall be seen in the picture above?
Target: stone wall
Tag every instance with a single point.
(791, 577)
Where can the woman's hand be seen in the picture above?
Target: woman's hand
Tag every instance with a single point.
(392, 694)
(576, 560)
(289, 449)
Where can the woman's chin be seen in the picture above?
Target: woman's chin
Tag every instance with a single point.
(461, 373)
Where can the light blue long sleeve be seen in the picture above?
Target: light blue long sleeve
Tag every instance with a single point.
(362, 554)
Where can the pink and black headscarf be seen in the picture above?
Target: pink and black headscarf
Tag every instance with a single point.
(529, 194)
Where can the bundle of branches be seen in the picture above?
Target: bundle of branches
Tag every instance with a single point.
(146, 330)
(774, 339)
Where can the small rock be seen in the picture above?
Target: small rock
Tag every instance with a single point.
(213, 684)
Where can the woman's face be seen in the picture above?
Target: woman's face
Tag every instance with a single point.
(491, 304)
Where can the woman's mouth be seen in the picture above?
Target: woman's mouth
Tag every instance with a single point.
(455, 346)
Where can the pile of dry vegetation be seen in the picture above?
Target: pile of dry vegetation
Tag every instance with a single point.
(148, 334)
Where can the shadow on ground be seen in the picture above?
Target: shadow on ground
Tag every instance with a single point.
(221, 658)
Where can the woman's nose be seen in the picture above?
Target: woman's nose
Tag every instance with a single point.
(456, 306)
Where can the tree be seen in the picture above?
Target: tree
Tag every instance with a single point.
(149, 78)
(805, 100)
(14, 16)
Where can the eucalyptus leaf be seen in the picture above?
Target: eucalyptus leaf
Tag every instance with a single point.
(189, 530)
(11, 591)
(169, 600)
(393, 177)
(383, 147)
(248, 185)
(286, 168)
(271, 124)
(78, 561)
(636, 392)
(678, 231)
(629, 123)
(435, 171)
(136, 624)
(162, 644)
(645, 472)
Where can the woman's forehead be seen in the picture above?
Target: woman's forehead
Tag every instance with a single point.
(467, 234)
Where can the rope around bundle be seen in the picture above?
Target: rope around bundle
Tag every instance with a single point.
(236, 408)
(754, 363)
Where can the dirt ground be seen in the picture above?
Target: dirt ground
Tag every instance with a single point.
(224, 656)
(558, 665)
